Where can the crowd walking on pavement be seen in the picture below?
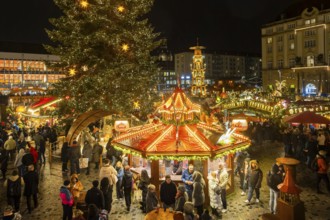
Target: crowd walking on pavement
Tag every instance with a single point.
(26, 151)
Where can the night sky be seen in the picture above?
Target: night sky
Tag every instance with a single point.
(220, 25)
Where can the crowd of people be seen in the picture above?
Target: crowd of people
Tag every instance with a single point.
(306, 144)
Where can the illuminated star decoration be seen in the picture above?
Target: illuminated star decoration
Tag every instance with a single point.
(125, 47)
(84, 4)
(85, 68)
(72, 72)
(120, 8)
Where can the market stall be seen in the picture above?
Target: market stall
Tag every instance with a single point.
(178, 138)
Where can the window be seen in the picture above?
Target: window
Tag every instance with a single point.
(279, 38)
(307, 22)
(310, 33)
(291, 26)
(280, 64)
(292, 46)
(313, 21)
(269, 64)
(327, 18)
(269, 40)
(280, 28)
(269, 31)
(310, 43)
(292, 62)
(291, 37)
(280, 48)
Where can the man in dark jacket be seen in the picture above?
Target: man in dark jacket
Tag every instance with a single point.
(97, 153)
(168, 192)
(127, 185)
(95, 196)
(254, 180)
(31, 181)
(74, 155)
(274, 178)
(65, 156)
(87, 153)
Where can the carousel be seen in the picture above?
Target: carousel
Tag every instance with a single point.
(176, 138)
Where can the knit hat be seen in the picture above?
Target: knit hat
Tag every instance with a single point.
(182, 189)
(188, 208)
(323, 153)
(8, 211)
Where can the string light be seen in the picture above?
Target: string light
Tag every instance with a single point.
(121, 8)
(125, 47)
(72, 72)
(84, 4)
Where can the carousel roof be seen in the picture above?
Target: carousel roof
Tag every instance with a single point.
(181, 139)
(168, 140)
(179, 102)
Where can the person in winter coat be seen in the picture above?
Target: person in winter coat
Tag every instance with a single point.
(97, 153)
(34, 154)
(188, 211)
(151, 200)
(322, 170)
(74, 155)
(14, 187)
(31, 181)
(168, 192)
(109, 172)
(41, 150)
(223, 180)
(53, 139)
(67, 200)
(107, 190)
(198, 196)
(93, 212)
(65, 156)
(274, 178)
(187, 179)
(127, 185)
(95, 196)
(10, 147)
(120, 174)
(75, 186)
(213, 192)
(245, 170)
(180, 199)
(4, 162)
(87, 152)
(254, 181)
(18, 162)
(143, 186)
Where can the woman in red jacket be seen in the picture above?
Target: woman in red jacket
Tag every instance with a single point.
(322, 170)
(67, 200)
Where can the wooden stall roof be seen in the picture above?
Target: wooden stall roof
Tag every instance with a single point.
(83, 121)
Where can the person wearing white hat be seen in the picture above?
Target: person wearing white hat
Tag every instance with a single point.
(322, 170)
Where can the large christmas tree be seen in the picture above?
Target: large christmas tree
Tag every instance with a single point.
(105, 48)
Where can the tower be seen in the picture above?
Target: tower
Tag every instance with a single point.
(198, 87)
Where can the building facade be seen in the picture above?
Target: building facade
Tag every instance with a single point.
(296, 48)
(167, 79)
(219, 67)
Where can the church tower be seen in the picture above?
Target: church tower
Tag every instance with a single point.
(198, 87)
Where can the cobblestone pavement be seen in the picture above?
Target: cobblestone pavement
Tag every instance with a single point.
(317, 205)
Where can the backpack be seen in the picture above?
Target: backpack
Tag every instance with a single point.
(314, 165)
(14, 187)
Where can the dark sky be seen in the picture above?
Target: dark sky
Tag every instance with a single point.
(220, 25)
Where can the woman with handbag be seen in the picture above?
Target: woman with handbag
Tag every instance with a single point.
(214, 192)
